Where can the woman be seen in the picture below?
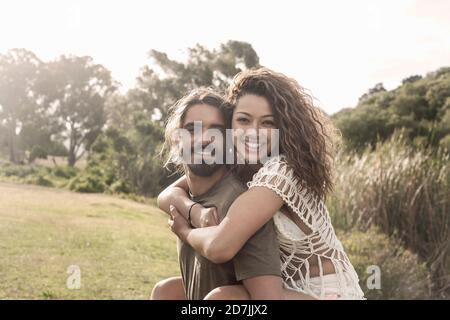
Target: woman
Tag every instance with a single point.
(290, 187)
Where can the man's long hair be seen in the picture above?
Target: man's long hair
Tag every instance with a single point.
(170, 150)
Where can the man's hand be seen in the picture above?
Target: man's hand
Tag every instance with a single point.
(178, 224)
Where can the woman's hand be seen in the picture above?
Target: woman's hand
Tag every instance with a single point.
(208, 217)
(178, 224)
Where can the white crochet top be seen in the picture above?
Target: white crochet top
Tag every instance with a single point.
(297, 248)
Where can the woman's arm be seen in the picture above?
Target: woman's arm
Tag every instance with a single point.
(248, 213)
(177, 195)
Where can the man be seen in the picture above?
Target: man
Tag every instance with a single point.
(258, 262)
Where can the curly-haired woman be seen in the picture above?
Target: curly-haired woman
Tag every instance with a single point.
(290, 187)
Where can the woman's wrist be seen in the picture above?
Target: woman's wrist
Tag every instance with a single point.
(184, 233)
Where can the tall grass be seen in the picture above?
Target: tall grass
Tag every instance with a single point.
(405, 193)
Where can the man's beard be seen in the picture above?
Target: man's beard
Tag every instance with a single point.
(203, 169)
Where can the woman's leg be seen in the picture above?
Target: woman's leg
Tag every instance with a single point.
(295, 295)
(238, 292)
(234, 292)
(169, 289)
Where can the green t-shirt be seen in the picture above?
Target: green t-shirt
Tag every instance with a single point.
(259, 256)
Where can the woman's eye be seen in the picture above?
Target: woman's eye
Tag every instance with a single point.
(269, 123)
(242, 120)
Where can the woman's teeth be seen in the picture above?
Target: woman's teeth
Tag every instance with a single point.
(252, 145)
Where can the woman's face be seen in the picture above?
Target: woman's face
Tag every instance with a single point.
(252, 124)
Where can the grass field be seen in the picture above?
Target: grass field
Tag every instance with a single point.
(121, 247)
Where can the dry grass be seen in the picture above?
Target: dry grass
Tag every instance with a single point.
(51, 162)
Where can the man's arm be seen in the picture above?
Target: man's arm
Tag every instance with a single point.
(177, 195)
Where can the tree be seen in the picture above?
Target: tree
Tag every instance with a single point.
(126, 152)
(134, 152)
(418, 106)
(40, 136)
(411, 79)
(77, 89)
(3, 139)
(159, 87)
(125, 160)
(372, 91)
(19, 69)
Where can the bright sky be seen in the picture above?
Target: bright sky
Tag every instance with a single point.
(336, 49)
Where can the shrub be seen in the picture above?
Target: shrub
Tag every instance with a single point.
(120, 187)
(37, 152)
(403, 276)
(65, 172)
(20, 171)
(127, 157)
(40, 180)
(43, 181)
(88, 183)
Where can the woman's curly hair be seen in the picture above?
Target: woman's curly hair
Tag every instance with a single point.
(307, 136)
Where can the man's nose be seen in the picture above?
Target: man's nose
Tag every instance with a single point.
(205, 139)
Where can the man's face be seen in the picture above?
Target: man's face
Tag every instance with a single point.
(210, 118)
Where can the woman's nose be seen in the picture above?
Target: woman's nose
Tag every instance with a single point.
(252, 132)
(257, 125)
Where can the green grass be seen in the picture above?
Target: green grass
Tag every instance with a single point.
(121, 247)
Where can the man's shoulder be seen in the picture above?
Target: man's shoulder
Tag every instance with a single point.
(228, 189)
(229, 184)
(233, 181)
